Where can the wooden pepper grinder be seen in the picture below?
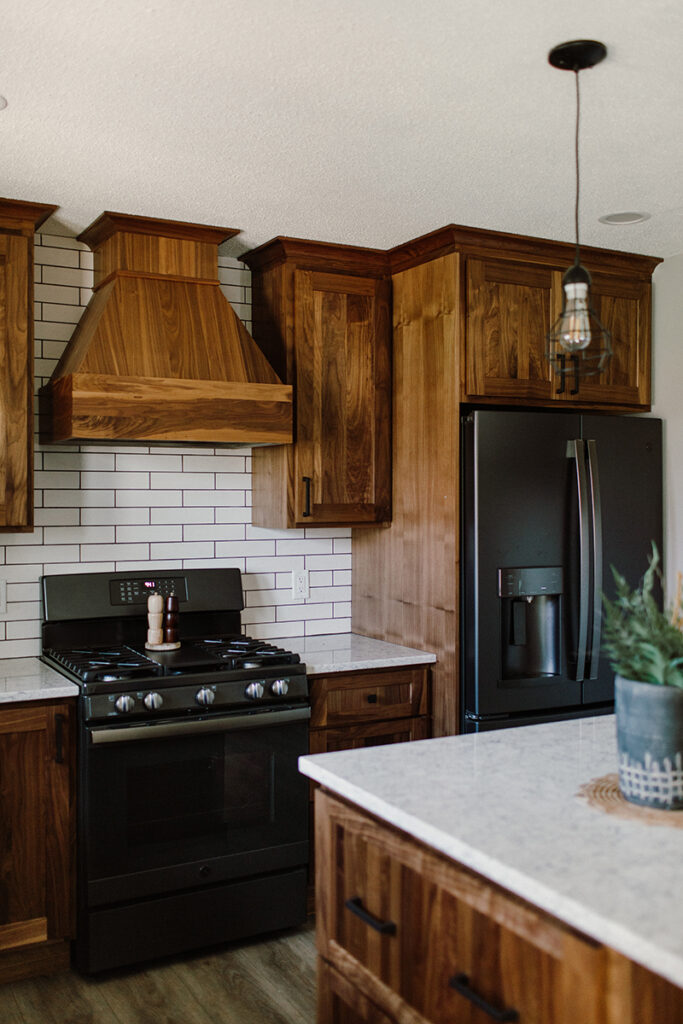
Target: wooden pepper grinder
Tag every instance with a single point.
(171, 620)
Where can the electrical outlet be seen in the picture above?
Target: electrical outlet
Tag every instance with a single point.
(300, 590)
(3, 598)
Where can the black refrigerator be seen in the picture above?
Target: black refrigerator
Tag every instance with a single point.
(550, 501)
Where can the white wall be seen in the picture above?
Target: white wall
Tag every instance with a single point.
(100, 508)
(668, 402)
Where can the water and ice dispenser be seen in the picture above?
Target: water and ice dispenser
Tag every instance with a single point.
(531, 600)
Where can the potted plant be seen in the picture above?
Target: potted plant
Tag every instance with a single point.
(645, 648)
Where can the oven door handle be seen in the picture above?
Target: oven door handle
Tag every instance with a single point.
(226, 723)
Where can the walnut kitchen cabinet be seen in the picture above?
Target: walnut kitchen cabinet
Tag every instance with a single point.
(408, 936)
(512, 301)
(350, 710)
(18, 223)
(321, 314)
(37, 833)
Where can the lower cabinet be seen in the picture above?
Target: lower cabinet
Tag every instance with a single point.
(407, 936)
(37, 761)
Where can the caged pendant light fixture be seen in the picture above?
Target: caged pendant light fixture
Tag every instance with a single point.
(577, 343)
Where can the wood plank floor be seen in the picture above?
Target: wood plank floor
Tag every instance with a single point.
(267, 981)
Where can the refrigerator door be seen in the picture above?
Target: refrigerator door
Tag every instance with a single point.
(523, 476)
(625, 457)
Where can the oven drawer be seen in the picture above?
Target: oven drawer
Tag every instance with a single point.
(420, 932)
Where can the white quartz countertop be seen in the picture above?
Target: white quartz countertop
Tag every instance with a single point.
(30, 679)
(505, 804)
(350, 652)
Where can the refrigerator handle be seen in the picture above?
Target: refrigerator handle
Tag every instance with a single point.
(596, 509)
(575, 450)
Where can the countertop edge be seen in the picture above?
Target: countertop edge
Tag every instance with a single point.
(568, 911)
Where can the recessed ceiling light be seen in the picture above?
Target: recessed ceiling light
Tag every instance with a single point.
(624, 218)
(3, 102)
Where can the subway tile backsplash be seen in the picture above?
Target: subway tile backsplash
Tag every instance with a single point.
(100, 508)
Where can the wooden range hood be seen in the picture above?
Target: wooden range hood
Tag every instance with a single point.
(159, 354)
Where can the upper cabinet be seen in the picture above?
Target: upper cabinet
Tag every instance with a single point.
(18, 223)
(321, 314)
(511, 293)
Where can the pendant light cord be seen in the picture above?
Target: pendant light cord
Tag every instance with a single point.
(576, 154)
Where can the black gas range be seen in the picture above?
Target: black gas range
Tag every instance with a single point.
(192, 817)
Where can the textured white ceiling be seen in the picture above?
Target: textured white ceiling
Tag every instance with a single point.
(360, 121)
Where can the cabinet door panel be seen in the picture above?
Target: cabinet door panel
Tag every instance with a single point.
(508, 317)
(343, 384)
(16, 384)
(373, 734)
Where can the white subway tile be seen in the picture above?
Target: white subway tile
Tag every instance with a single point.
(51, 349)
(304, 547)
(193, 549)
(232, 514)
(214, 563)
(161, 532)
(19, 539)
(57, 479)
(252, 615)
(185, 481)
(148, 463)
(261, 598)
(233, 481)
(56, 293)
(213, 463)
(272, 631)
(328, 561)
(259, 581)
(147, 566)
(278, 564)
(182, 515)
(43, 554)
(74, 277)
(263, 533)
(129, 449)
(322, 626)
(114, 516)
(44, 368)
(341, 594)
(342, 609)
(148, 499)
(79, 499)
(22, 573)
(79, 534)
(48, 256)
(289, 612)
(245, 548)
(22, 610)
(342, 546)
(48, 330)
(19, 648)
(79, 461)
(77, 567)
(117, 480)
(342, 578)
(23, 630)
(24, 592)
(320, 578)
(214, 498)
(222, 532)
(56, 517)
(62, 314)
(100, 552)
(87, 260)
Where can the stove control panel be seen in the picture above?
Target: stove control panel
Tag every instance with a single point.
(136, 591)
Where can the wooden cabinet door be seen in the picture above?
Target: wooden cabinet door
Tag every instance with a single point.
(36, 888)
(340, 1002)
(507, 320)
(16, 383)
(368, 734)
(624, 307)
(343, 399)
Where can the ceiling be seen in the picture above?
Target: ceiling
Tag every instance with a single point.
(360, 121)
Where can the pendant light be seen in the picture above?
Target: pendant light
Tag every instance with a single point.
(577, 343)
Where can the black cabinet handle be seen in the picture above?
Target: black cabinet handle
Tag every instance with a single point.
(307, 495)
(561, 360)
(356, 907)
(59, 739)
(372, 698)
(461, 984)
(575, 364)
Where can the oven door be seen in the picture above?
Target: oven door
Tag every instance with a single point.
(175, 804)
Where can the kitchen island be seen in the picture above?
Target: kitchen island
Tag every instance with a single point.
(480, 861)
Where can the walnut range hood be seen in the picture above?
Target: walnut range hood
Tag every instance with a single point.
(159, 354)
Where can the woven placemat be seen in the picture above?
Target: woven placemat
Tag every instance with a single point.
(604, 795)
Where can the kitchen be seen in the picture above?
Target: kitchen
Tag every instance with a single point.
(158, 508)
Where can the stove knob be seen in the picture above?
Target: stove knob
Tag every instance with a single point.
(254, 690)
(153, 701)
(124, 703)
(279, 687)
(205, 696)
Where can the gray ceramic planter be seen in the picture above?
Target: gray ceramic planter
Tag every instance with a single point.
(650, 742)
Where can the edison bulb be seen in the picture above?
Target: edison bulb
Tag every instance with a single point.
(574, 331)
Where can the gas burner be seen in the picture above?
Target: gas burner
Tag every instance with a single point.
(243, 652)
(104, 664)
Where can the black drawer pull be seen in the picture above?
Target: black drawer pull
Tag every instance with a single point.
(356, 907)
(561, 360)
(372, 698)
(307, 496)
(461, 984)
(575, 364)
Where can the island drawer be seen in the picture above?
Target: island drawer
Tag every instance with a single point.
(428, 940)
(343, 698)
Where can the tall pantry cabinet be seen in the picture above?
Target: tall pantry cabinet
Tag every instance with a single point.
(471, 309)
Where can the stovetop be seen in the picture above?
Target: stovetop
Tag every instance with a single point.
(119, 662)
